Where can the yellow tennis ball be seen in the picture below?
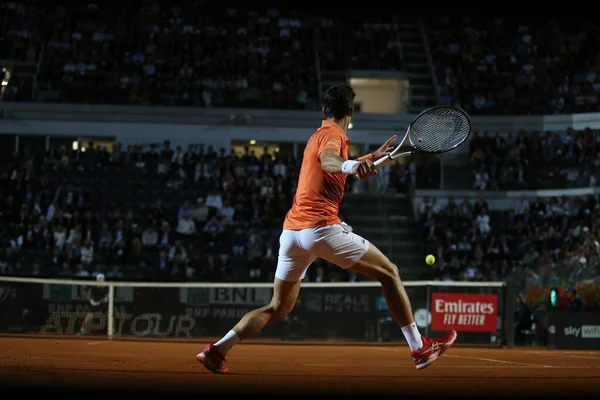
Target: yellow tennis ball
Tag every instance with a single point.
(430, 259)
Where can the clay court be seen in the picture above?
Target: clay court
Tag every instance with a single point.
(316, 369)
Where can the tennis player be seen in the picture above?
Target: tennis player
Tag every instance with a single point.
(313, 229)
(98, 302)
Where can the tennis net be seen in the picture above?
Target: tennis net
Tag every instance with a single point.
(345, 311)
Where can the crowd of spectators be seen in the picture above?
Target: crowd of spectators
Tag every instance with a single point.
(494, 65)
(188, 53)
(534, 160)
(541, 241)
(194, 214)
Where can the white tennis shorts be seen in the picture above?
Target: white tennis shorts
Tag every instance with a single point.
(334, 243)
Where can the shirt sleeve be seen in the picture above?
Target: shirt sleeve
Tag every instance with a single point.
(331, 140)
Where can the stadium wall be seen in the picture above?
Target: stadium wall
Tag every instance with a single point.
(497, 200)
(135, 124)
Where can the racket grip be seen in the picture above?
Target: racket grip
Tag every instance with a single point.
(382, 161)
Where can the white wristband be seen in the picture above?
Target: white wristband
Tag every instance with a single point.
(348, 165)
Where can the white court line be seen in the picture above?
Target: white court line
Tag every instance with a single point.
(483, 359)
(499, 361)
(93, 343)
(543, 353)
(531, 366)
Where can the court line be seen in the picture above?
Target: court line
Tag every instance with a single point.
(483, 359)
(543, 353)
(530, 366)
(92, 343)
(499, 361)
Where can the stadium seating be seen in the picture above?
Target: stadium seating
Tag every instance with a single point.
(122, 212)
(546, 241)
(189, 54)
(493, 65)
(533, 160)
(109, 212)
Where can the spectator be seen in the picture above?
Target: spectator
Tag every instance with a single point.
(177, 250)
(213, 228)
(186, 225)
(185, 211)
(575, 302)
(214, 201)
(201, 212)
(162, 264)
(226, 213)
(149, 237)
(86, 253)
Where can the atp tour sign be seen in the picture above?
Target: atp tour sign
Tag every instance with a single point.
(464, 312)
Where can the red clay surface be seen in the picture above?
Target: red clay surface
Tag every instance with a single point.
(296, 369)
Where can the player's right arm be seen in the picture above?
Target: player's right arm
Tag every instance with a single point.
(333, 163)
(90, 298)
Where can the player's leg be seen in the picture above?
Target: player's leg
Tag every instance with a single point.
(339, 245)
(284, 297)
(292, 264)
(86, 321)
(375, 265)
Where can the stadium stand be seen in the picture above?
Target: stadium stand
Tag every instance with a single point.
(534, 160)
(194, 214)
(515, 65)
(545, 241)
(189, 54)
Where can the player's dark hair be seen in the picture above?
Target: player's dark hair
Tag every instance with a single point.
(337, 101)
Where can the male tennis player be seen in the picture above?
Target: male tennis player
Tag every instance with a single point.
(313, 229)
(98, 302)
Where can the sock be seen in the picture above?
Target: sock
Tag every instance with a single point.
(413, 337)
(227, 342)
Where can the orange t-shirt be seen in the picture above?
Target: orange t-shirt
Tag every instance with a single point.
(319, 194)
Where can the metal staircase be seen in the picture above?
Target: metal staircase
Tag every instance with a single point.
(417, 63)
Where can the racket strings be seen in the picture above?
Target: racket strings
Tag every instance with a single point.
(439, 129)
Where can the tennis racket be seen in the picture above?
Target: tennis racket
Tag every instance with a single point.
(436, 130)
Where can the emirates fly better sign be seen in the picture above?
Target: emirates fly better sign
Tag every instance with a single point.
(464, 312)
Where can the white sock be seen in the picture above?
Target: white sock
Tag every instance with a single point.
(413, 337)
(227, 342)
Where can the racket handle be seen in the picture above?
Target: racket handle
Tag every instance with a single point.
(382, 161)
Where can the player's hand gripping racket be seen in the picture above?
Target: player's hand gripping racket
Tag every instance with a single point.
(436, 130)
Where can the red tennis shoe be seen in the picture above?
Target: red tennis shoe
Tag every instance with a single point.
(212, 359)
(432, 349)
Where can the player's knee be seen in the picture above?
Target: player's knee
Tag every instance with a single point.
(389, 273)
(280, 309)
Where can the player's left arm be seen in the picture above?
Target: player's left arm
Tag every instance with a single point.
(369, 157)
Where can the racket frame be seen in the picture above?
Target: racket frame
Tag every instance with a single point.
(406, 147)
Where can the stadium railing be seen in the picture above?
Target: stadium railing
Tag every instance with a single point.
(482, 312)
